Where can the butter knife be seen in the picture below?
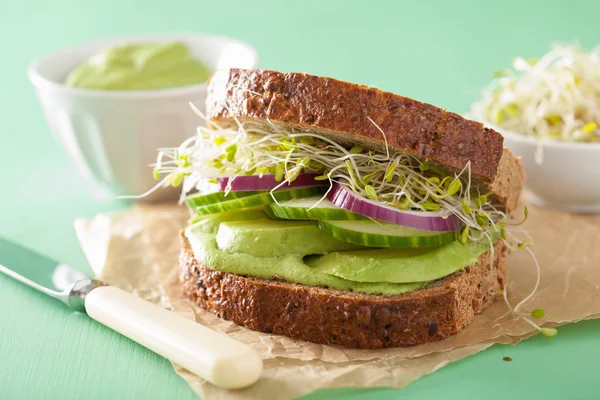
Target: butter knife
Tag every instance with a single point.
(221, 360)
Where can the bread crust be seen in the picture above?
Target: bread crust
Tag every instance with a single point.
(355, 320)
(336, 106)
(353, 114)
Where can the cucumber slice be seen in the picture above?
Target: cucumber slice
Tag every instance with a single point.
(301, 209)
(270, 238)
(382, 234)
(210, 223)
(203, 199)
(259, 199)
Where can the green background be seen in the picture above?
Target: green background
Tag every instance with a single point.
(436, 51)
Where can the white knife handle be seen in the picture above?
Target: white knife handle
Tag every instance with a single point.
(223, 361)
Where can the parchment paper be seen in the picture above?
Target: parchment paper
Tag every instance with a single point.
(137, 251)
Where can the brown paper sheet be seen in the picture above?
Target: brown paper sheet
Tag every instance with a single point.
(137, 251)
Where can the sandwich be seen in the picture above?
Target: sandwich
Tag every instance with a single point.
(341, 214)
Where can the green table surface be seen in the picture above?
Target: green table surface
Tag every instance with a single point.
(436, 51)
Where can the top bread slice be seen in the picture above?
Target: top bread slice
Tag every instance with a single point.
(357, 114)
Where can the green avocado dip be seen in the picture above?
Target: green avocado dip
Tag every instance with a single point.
(246, 242)
(148, 66)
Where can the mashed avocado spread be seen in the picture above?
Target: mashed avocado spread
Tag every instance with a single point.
(147, 66)
(248, 243)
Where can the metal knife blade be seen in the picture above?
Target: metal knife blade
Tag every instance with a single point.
(40, 272)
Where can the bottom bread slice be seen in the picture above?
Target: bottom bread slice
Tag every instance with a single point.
(350, 319)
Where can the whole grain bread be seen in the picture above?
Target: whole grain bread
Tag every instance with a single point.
(351, 319)
(354, 114)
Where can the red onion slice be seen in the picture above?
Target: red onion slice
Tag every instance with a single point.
(267, 182)
(344, 197)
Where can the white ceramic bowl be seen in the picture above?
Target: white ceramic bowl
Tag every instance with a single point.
(113, 136)
(563, 175)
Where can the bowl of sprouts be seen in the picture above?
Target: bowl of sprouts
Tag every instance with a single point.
(548, 111)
